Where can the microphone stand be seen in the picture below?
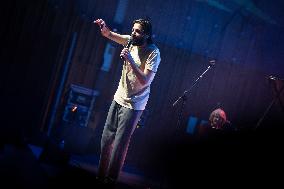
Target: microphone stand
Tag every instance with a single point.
(183, 96)
(273, 81)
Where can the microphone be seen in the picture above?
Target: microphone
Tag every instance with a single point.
(273, 78)
(101, 26)
(129, 42)
(212, 62)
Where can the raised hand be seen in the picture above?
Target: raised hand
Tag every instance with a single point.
(105, 31)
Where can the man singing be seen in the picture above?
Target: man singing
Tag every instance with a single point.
(141, 59)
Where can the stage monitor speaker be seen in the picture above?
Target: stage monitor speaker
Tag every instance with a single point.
(53, 154)
(48, 151)
(76, 139)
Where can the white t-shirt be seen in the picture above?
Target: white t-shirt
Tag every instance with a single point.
(130, 92)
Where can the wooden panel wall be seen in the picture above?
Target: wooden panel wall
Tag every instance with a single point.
(37, 37)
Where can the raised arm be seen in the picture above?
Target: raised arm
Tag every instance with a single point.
(106, 32)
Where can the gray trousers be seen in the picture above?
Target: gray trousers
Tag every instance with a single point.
(119, 126)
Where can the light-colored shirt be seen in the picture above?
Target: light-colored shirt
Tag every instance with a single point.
(130, 92)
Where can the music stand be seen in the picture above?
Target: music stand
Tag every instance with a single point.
(278, 87)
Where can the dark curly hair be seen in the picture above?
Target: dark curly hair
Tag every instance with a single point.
(147, 28)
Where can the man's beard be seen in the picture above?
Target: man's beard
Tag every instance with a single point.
(137, 41)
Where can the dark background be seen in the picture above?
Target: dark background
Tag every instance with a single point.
(39, 38)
